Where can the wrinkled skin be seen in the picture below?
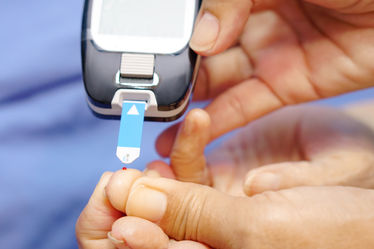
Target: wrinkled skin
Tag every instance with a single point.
(332, 142)
(280, 52)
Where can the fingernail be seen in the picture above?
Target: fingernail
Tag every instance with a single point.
(146, 203)
(151, 173)
(263, 182)
(206, 32)
(116, 241)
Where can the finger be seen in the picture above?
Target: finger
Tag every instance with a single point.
(186, 244)
(122, 179)
(331, 149)
(219, 72)
(187, 157)
(219, 24)
(234, 108)
(278, 176)
(241, 104)
(136, 233)
(162, 169)
(197, 212)
(187, 211)
(96, 219)
(255, 97)
(348, 167)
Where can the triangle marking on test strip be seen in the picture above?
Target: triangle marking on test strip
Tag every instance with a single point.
(133, 111)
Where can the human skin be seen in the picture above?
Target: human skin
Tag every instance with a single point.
(302, 217)
(280, 219)
(100, 217)
(361, 110)
(295, 146)
(263, 55)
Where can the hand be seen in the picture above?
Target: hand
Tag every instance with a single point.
(96, 220)
(295, 146)
(308, 217)
(286, 52)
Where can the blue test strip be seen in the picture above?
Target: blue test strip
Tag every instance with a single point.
(130, 132)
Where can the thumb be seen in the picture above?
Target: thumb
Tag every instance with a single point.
(96, 219)
(186, 211)
(219, 24)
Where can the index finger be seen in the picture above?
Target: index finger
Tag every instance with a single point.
(234, 108)
(241, 104)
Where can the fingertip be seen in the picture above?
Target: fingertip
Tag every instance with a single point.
(136, 233)
(256, 183)
(200, 117)
(156, 164)
(118, 187)
(218, 25)
(162, 168)
(165, 141)
(197, 124)
(206, 33)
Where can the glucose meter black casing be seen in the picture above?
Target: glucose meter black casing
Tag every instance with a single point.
(115, 70)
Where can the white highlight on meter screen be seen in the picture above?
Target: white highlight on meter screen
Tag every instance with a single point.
(141, 18)
(143, 26)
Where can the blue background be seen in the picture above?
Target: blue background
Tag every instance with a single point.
(52, 149)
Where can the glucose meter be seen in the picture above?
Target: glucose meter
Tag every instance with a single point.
(138, 50)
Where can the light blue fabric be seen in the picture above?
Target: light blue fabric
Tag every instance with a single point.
(52, 149)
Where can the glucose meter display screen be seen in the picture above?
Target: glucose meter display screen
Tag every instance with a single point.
(144, 18)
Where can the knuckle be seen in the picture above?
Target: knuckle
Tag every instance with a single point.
(235, 101)
(185, 217)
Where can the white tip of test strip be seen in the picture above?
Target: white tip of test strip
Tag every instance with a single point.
(127, 154)
(130, 132)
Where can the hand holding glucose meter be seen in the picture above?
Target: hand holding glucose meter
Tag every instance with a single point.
(137, 52)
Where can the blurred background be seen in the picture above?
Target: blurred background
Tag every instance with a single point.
(53, 149)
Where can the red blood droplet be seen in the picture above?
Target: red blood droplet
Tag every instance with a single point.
(124, 168)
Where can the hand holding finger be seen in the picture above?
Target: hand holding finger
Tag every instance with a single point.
(196, 212)
(92, 232)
